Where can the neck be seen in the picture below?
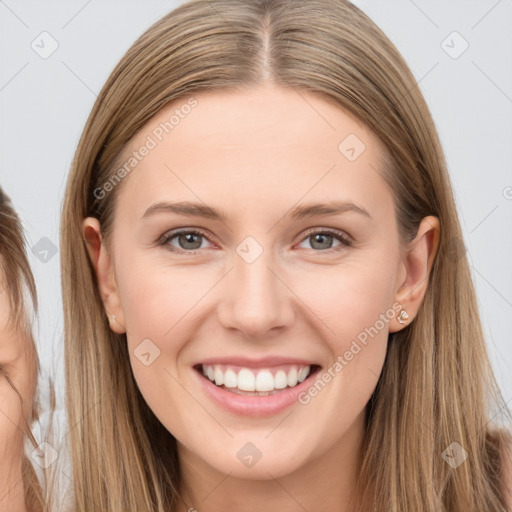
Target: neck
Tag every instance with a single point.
(329, 479)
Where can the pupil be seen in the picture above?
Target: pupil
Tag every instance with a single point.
(188, 239)
(321, 238)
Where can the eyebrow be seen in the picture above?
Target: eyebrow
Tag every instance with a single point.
(191, 209)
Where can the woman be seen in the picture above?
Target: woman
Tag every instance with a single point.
(352, 376)
(19, 487)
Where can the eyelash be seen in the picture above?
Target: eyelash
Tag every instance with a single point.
(345, 240)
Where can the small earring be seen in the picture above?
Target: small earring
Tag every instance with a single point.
(113, 318)
(402, 316)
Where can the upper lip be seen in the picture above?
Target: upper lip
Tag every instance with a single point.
(265, 362)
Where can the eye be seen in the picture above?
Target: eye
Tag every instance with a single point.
(189, 241)
(322, 239)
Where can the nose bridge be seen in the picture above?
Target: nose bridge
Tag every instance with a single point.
(255, 300)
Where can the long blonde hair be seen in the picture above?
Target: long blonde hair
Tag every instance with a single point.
(436, 386)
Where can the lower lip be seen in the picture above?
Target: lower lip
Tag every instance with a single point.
(246, 405)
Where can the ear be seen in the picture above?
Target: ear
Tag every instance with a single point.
(415, 269)
(103, 266)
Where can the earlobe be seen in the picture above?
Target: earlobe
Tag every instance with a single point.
(417, 263)
(116, 326)
(103, 267)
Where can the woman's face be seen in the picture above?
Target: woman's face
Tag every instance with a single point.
(17, 363)
(222, 261)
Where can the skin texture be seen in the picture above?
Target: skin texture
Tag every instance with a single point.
(18, 363)
(255, 154)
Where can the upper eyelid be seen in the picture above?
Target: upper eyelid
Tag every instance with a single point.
(333, 231)
(179, 231)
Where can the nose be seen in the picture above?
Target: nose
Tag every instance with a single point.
(256, 299)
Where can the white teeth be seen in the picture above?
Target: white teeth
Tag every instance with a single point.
(219, 376)
(303, 373)
(291, 378)
(280, 380)
(264, 381)
(246, 380)
(230, 379)
(259, 381)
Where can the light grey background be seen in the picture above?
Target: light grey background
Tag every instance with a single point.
(44, 103)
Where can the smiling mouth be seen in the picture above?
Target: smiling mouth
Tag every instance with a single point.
(256, 382)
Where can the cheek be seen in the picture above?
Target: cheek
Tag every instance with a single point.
(10, 422)
(157, 297)
(157, 304)
(349, 298)
(352, 303)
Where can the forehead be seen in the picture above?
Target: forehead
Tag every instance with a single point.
(273, 144)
